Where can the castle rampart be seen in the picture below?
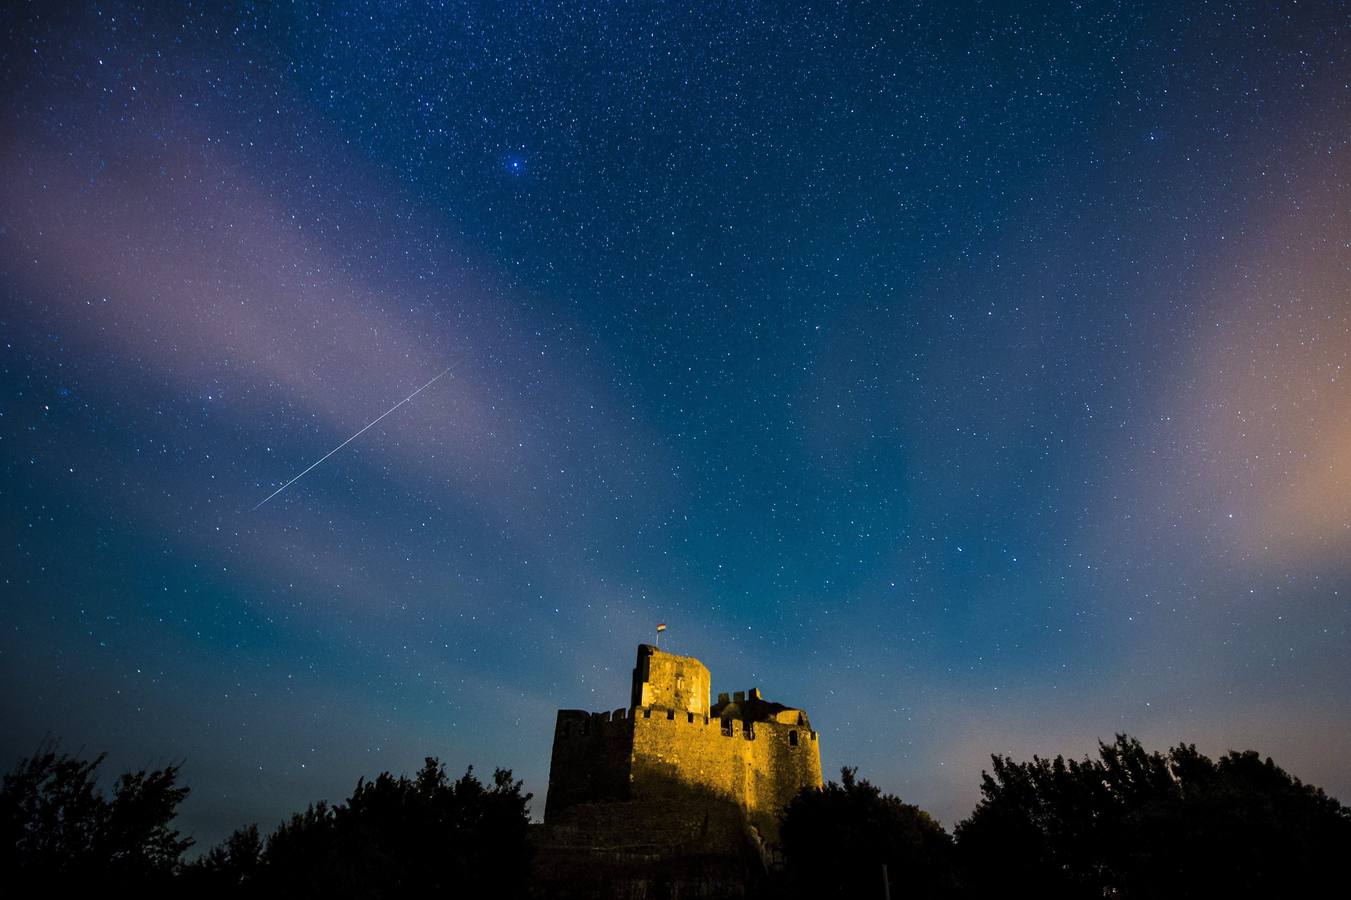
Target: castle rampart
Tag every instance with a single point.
(672, 745)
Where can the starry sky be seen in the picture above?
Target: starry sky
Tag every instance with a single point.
(976, 376)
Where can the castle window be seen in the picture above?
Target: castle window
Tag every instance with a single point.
(792, 738)
(691, 717)
(727, 727)
(748, 730)
(670, 714)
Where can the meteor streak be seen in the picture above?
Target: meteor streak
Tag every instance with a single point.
(349, 440)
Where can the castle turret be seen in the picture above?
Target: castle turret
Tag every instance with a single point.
(667, 681)
(673, 749)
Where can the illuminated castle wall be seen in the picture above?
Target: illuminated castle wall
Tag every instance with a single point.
(670, 744)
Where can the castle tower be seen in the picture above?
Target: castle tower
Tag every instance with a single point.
(666, 681)
(672, 762)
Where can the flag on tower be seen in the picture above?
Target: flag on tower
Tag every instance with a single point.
(661, 626)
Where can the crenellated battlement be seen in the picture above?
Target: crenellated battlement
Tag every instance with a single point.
(576, 724)
(581, 723)
(671, 743)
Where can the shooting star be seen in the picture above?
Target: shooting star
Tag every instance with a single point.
(349, 440)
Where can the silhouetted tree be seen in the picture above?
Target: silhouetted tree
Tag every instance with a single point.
(228, 868)
(61, 834)
(837, 839)
(394, 837)
(1138, 824)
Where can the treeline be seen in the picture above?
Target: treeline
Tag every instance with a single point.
(394, 837)
(1129, 823)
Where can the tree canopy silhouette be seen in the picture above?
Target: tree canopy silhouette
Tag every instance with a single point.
(1129, 823)
(394, 837)
(63, 834)
(837, 839)
(1137, 824)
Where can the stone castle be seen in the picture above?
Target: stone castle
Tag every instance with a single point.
(674, 777)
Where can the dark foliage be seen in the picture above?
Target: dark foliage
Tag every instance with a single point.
(395, 837)
(229, 869)
(1138, 824)
(837, 839)
(1129, 824)
(63, 835)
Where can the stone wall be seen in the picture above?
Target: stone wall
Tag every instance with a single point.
(759, 766)
(668, 681)
(590, 760)
(671, 764)
(670, 798)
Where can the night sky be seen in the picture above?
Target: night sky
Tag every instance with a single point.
(976, 377)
